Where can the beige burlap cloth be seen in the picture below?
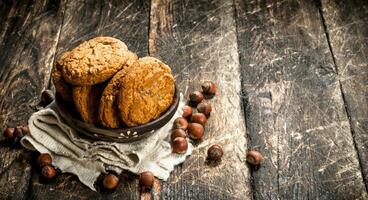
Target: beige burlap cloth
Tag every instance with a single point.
(88, 159)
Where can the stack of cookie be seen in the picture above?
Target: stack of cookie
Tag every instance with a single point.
(110, 86)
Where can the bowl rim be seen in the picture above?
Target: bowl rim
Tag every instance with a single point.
(128, 134)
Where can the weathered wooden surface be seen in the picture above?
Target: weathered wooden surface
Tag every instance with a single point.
(198, 40)
(28, 36)
(28, 43)
(15, 173)
(292, 79)
(127, 21)
(294, 107)
(347, 29)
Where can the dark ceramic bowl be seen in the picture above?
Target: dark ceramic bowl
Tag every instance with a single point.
(71, 117)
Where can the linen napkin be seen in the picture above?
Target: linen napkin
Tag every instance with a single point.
(88, 158)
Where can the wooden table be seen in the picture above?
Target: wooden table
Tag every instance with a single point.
(292, 78)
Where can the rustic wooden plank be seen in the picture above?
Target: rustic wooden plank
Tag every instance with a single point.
(26, 56)
(126, 20)
(347, 28)
(294, 107)
(28, 36)
(198, 40)
(5, 10)
(15, 172)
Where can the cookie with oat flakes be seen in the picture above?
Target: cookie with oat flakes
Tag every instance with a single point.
(94, 61)
(146, 92)
(86, 100)
(63, 88)
(108, 113)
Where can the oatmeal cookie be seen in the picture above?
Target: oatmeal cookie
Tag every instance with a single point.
(86, 100)
(94, 61)
(108, 113)
(147, 91)
(63, 88)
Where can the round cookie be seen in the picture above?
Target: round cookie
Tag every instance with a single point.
(86, 100)
(147, 90)
(108, 113)
(94, 61)
(155, 63)
(63, 88)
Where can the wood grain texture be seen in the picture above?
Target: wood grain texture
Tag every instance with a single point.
(15, 172)
(294, 107)
(27, 51)
(347, 28)
(305, 101)
(28, 36)
(197, 39)
(126, 20)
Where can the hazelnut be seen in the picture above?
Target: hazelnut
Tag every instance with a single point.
(146, 180)
(110, 181)
(209, 88)
(187, 111)
(48, 172)
(178, 133)
(204, 108)
(199, 118)
(181, 123)
(9, 133)
(254, 158)
(196, 97)
(180, 145)
(196, 131)
(18, 132)
(47, 97)
(215, 152)
(44, 159)
(25, 129)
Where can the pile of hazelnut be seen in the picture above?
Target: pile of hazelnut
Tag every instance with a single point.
(13, 135)
(44, 161)
(193, 124)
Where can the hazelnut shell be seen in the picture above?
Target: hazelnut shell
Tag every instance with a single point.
(146, 180)
(44, 159)
(204, 108)
(199, 118)
(48, 172)
(195, 131)
(254, 157)
(181, 123)
(187, 111)
(215, 152)
(110, 181)
(180, 145)
(9, 133)
(25, 129)
(178, 133)
(18, 132)
(209, 88)
(196, 97)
